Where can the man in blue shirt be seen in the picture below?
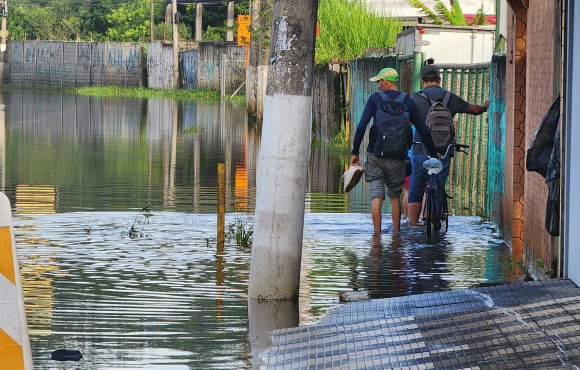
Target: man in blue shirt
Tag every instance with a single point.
(431, 81)
(389, 172)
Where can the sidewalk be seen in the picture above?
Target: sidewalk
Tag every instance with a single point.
(534, 325)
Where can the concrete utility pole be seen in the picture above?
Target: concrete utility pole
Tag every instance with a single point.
(284, 153)
(152, 20)
(175, 45)
(3, 36)
(198, 22)
(230, 20)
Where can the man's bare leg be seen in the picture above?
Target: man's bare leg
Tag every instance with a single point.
(396, 213)
(414, 212)
(376, 205)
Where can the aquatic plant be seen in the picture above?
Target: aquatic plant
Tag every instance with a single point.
(240, 231)
(193, 130)
(143, 216)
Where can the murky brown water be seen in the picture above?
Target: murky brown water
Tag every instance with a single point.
(80, 170)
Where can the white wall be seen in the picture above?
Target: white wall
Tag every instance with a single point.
(571, 199)
(449, 45)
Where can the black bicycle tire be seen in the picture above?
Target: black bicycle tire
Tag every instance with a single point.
(432, 219)
(445, 214)
(436, 214)
(428, 214)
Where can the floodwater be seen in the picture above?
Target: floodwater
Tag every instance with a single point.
(114, 206)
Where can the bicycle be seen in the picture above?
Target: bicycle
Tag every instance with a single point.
(436, 209)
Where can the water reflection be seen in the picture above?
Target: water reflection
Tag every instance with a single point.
(78, 171)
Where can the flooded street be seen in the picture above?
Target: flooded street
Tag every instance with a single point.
(114, 203)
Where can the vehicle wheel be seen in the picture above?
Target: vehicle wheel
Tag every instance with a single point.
(432, 220)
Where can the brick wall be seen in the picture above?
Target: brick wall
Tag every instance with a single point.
(515, 126)
(540, 95)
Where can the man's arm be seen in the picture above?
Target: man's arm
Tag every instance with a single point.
(361, 128)
(477, 109)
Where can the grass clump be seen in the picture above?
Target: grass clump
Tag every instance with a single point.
(347, 27)
(240, 232)
(143, 92)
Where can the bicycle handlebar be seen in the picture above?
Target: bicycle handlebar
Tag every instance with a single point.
(457, 146)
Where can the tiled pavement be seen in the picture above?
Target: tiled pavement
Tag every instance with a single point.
(533, 325)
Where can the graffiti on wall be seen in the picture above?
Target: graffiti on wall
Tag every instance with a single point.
(55, 63)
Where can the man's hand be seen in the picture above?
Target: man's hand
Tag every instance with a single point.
(486, 104)
(354, 160)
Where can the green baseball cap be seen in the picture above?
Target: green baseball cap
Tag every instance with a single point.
(387, 74)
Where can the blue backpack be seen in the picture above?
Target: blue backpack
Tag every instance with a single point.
(393, 127)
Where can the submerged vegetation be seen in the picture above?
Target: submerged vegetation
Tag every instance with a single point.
(347, 28)
(143, 92)
(240, 231)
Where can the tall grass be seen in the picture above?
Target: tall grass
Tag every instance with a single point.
(346, 28)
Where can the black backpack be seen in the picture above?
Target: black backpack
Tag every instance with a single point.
(393, 127)
(440, 122)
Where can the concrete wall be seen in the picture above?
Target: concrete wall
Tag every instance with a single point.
(63, 64)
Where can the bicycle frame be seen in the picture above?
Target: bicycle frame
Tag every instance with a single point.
(436, 207)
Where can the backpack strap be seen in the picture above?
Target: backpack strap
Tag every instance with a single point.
(446, 99)
(424, 96)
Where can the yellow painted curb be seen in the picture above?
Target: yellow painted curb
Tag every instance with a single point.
(15, 352)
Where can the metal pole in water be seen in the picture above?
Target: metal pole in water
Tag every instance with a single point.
(221, 201)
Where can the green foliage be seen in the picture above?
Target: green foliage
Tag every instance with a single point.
(100, 20)
(129, 21)
(165, 32)
(215, 33)
(348, 27)
(193, 130)
(453, 16)
(141, 92)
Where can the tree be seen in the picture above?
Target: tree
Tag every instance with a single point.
(129, 21)
(452, 16)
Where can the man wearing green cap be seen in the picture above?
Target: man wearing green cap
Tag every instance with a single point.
(386, 171)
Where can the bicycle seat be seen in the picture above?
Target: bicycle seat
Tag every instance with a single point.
(433, 166)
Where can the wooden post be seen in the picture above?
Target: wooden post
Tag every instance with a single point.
(221, 205)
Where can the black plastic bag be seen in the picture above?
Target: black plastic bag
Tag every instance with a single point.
(553, 207)
(553, 182)
(540, 150)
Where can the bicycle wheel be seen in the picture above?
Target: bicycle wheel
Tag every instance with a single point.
(432, 219)
(445, 213)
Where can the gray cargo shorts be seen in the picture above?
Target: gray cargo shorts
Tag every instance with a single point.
(381, 172)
